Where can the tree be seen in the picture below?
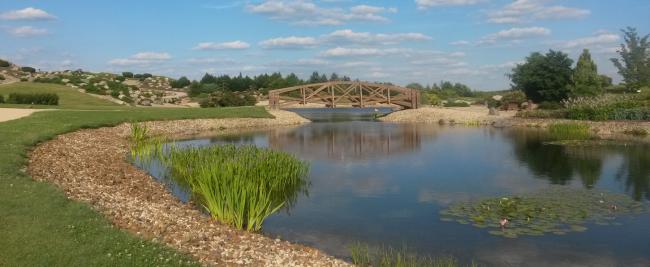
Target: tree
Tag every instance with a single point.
(127, 74)
(208, 78)
(334, 77)
(605, 81)
(544, 77)
(314, 78)
(586, 81)
(181, 82)
(28, 69)
(4, 63)
(415, 86)
(634, 62)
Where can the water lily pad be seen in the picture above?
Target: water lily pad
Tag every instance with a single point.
(556, 210)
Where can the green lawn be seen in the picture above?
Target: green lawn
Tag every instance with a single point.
(69, 98)
(39, 226)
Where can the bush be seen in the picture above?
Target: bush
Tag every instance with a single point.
(636, 132)
(120, 78)
(228, 99)
(543, 114)
(2, 77)
(127, 74)
(546, 105)
(4, 63)
(457, 104)
(33, 99)
(147, 75)
(28, 69)
(24, 79)
(514, 97)
(2, 99)
(55, 80)
(181, 82)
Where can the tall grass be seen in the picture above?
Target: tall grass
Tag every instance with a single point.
(144, 146)
(391, 257)
(570, 131)
(240, 186)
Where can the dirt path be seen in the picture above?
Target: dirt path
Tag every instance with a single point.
(7, 114)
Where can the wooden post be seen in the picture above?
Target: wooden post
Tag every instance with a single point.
(304, 99)
(361, 95)
(333, 103)
(388, 95)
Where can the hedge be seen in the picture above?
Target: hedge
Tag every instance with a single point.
(33, 99)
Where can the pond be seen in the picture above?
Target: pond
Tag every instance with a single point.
(387, 184)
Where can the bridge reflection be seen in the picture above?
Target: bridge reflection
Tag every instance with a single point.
(351, 141)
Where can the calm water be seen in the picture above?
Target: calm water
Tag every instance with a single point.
(384, 184)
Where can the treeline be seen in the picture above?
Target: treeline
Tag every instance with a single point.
(261, 83)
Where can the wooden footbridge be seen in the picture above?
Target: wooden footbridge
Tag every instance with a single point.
(345, 93)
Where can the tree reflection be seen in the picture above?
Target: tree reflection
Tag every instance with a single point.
(635, 171)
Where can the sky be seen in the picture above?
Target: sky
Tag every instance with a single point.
(476, 42)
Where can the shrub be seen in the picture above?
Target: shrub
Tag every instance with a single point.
(570, 131)
(4, 63)
(546, 105)
(147, 75)
(127, 74)
(181, 82)
(2, 77)
(56, 80)
(457, 104)
(28, 69)
(23, 79)
(120, 78)
(33, 99)
(514, 97)
(636, 132)
(228, 99)
(2, 99)
(543, 114)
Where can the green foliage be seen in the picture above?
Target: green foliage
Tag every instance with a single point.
(586, 81)
(514, 97)
(605, 81)
(557, 211)
(634, 61)
(550, 105)
(609, 107)
(543, 114)
(24, 79)
(240, 186)
(432, 99)
(55, 80)
(33, 99)
(2, 77)
(28, 69)
(462, 104)
(2, 99)
(544, 77)
(127, 74)
(570, 131)
(636, 132)
(228, 99)
(181, 82)
(390, 257)
(120, 78)
(4, 63)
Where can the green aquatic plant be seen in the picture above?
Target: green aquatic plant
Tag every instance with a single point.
(144, 146)
(240, 186)
(569, 131)
(363, 256)
(557, 211)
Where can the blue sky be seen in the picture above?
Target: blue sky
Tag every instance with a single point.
(471, 41)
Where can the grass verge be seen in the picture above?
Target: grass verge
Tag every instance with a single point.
(39, 226)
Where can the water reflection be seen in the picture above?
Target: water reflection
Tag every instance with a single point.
(351, 141)
(561, 164)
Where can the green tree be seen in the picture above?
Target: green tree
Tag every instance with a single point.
(415, 86)
(605, 81)
(4, 63)
(544, 77)
(634, 62)
(28, 69)
(127, 74)
(334, 77)
(586, 81)
(314, 78)
(181, 82)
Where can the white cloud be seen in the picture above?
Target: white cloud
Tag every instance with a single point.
(598, 41)
(152, 56)
(26, 31)
(306, 12)
(290, 42)
(424, 4)
(460, 43)
(350, 36)
(29, 13)
(521, 11)
(364, 51)
(234, 45)
(142, 58)
(516, 34)
(210, 61)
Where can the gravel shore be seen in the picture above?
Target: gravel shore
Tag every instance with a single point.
(473, 115)
(91, 166)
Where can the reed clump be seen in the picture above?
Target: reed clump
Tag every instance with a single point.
(392, 257)
(570, 131)
(144, 146)
(240, 186)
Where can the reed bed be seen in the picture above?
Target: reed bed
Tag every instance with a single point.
(570, 131)
(391, 257)
(144, 146)
(240, 186)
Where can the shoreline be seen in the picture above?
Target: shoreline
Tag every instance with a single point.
(92, 166)
(479, 116)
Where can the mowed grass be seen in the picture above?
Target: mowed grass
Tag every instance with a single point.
(69, 98)
(39, 226)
